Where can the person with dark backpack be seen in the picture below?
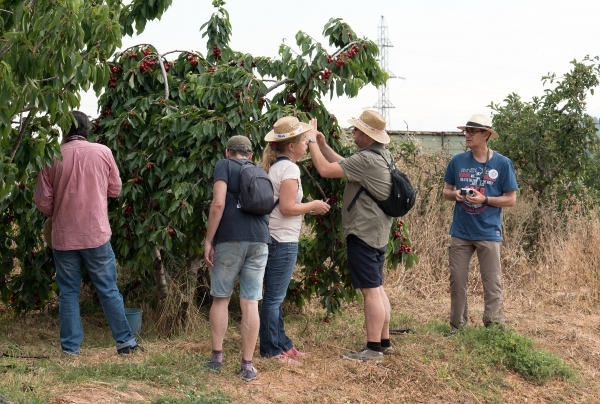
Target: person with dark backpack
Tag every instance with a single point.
(236, 247)
(366, 226)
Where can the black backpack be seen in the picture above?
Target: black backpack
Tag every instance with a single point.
(402, 196)
(256, 190)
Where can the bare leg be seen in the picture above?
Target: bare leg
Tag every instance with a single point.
(375, 313)
(218, 318)
(249, 327)
(385, 332)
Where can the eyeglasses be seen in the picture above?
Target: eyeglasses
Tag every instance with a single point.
(471, 131)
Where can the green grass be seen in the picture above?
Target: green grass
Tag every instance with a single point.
(502, 346)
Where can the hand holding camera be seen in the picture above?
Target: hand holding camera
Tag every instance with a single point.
(467, 192)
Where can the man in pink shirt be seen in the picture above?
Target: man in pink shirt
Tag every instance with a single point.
(74, 192)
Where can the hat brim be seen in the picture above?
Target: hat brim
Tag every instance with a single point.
(379, 136)
(492, 131)
(270, 137)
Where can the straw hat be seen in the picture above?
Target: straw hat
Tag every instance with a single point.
(285, 128)
(480, 121)
(373, 125)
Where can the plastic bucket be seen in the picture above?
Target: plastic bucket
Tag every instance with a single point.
(134, 318)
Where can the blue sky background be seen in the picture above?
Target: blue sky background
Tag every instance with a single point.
(456, 56)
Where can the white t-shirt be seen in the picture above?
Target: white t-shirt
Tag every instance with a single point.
(285, 229)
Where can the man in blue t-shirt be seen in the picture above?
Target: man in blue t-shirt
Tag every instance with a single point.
(235, 247)
(481, 182)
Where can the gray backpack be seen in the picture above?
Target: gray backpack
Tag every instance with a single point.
(256, 190)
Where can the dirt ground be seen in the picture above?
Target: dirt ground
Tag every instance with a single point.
(419, 371)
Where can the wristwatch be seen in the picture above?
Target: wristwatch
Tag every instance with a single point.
(312, 140)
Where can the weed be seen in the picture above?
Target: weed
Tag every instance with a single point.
(502, 346)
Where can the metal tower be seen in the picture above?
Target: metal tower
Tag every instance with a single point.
(383, 42)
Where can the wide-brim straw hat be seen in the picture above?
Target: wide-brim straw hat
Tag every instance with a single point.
(285, 128)
(480, 121)
(373, 125)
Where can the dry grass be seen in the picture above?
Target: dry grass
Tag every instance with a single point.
(551, 296)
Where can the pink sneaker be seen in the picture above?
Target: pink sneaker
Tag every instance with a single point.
(296, 353)
(284, 358)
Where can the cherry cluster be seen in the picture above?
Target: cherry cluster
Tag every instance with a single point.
(261, 102)
(217, 52)
(353, 51)
(147, 65)
(325, 75)
(193, 59)
(128, 211)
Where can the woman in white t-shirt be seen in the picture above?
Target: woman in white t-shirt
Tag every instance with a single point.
(286, 143)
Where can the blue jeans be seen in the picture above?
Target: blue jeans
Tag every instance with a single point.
(101, 266)
(280, 267)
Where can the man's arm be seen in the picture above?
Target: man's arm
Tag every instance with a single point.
(43, 195)
(508, 200)
(214, 218)
(114, 179)
(328, 167)
(450, 193)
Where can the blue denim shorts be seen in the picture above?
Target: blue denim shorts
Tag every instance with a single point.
(243, 259)
(365, 263)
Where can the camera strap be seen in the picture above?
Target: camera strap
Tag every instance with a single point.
(487, 160)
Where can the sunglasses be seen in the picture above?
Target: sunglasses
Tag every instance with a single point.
(471, 131)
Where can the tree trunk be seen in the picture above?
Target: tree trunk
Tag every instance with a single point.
(160, 278)
(193, 266)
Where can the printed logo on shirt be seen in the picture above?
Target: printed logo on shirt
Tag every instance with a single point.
(475, 178)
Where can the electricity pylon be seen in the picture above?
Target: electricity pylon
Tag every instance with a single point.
(383, 42)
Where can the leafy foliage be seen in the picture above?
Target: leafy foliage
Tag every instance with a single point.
(50, 50)
(504, 347)
(167, 123)
(551, 140)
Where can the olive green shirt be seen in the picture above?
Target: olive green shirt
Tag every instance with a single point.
(366, 220)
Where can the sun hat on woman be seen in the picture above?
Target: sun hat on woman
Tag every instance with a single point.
(286, 128)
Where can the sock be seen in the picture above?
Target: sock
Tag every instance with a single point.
(217, 356)
(386, 343)
(374, 346)
(246, 364)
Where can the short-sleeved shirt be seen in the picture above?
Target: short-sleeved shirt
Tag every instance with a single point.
(285, 229)
(236, 224)
(479, 221)
(366, 220)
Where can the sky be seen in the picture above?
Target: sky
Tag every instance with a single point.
(452, 57)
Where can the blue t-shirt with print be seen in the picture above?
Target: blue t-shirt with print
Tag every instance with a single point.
(477, 221)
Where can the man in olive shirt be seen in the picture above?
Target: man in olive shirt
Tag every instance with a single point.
(365, 226)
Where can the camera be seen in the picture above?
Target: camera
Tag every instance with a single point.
(467, 191)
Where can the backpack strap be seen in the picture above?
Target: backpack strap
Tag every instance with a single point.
(237, 196)
(390, 167)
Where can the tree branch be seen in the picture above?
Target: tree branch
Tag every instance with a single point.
(5, 49)
(21, 133)
(279, 83)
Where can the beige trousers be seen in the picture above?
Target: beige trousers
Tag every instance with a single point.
(488, 255)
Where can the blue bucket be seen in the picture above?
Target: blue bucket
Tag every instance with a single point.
(134, 318)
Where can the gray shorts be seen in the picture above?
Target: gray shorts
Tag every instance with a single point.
(243, 259)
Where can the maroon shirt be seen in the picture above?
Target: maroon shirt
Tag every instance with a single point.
(74, 194)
